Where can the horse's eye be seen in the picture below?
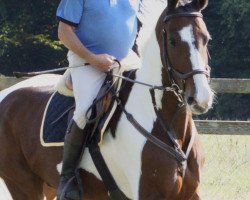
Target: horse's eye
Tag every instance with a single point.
(172, 41)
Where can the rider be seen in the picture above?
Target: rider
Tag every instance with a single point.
(95, 32)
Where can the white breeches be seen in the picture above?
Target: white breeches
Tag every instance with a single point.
(87, 82)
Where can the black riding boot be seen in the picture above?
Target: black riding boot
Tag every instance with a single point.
(75, 141)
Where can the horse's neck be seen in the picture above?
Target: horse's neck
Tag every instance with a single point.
(151, 70)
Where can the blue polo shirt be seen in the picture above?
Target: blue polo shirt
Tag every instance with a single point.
(103, 26)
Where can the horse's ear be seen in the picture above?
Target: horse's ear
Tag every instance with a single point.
(200, 4)
(172, 4)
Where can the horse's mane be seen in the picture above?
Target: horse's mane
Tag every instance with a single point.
(149, 12)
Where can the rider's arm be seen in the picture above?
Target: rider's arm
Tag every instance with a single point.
(68, 37)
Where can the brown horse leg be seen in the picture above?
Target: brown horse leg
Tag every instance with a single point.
(14, 190)
(27, 192)
(22, 183)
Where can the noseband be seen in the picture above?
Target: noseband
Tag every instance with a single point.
(166, 59)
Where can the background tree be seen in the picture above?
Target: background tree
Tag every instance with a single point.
(229, 24)
(28, 36)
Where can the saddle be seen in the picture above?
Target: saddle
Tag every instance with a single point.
(61, 104)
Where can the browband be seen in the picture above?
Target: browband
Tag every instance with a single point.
(192, 14)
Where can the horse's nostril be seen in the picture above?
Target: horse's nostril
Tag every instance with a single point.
(191, 100)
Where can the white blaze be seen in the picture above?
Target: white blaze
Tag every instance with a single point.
(203, 93)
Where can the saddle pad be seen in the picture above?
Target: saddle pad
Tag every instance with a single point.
(55, 120)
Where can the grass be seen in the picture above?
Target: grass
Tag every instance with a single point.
(226, 174)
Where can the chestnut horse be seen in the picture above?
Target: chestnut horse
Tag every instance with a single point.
(175, 58)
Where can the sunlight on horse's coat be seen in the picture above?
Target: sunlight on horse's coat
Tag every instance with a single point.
(203, 94)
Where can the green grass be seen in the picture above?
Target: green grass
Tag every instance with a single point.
(226, 175)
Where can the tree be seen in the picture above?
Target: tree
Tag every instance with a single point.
(28, 39)
(229, 24)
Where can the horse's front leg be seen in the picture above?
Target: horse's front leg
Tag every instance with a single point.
(27, 192)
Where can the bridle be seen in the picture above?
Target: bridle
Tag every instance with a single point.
(171, 71)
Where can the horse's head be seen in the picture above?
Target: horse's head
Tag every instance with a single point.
(183, 39)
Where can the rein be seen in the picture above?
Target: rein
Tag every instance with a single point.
(173, 88)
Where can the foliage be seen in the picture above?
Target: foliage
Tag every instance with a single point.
(28, 38)
(229, 24)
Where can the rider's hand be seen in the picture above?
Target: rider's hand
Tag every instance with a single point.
(103, 62)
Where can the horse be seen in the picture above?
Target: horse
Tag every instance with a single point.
(164, 163)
